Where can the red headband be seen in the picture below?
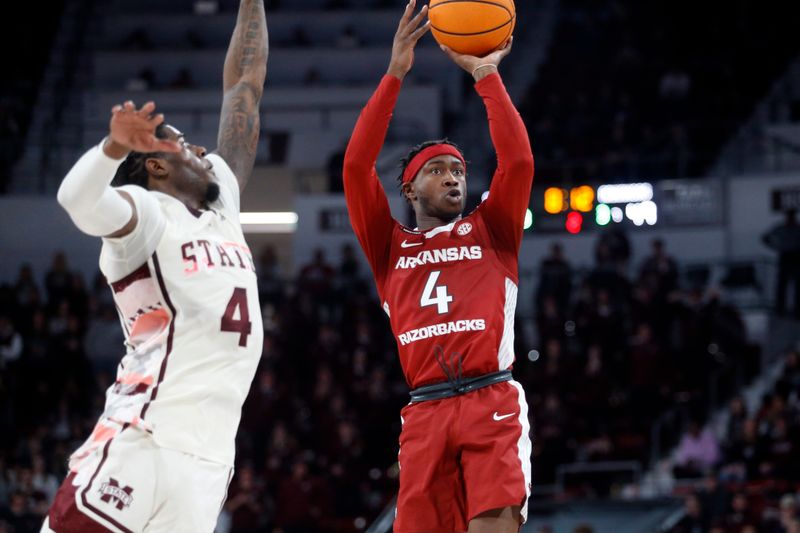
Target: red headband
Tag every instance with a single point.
(419, 160)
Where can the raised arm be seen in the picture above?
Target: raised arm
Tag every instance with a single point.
(510, 191)
(95, 207)
(243, 84)
(367, 205)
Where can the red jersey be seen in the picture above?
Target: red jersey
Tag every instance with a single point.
(454, 286)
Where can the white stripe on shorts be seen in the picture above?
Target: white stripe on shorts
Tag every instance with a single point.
(524, 446)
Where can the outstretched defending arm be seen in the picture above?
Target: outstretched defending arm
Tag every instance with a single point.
(86, 194)
(369, 210)
(243, 84)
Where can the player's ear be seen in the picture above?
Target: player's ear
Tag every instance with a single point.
(156, 167)
(409, 191)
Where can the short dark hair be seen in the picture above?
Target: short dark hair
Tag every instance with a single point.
(420, 147)
(133, 171)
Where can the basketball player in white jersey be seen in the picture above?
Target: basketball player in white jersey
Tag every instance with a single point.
(161, 455)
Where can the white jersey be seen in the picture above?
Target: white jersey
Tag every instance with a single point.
(184, 284)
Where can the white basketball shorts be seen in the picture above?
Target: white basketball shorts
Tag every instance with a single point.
(133, 485)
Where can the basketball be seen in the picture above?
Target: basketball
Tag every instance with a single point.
(470, 26)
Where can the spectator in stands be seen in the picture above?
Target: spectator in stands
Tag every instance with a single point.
(555, 279)
(11, 344)
(316, 277)
(245, 502)
(741, 513)
(143, 81)
(697, 452)
(270, 277)
(103, 341)
(694, 521)
(349, 269)
(183, 80)
(19, 516)
(659, 271)
(791, 374)
(785, 239)
(348, 39)
(646, 371)
(57, 281)
(550, 319)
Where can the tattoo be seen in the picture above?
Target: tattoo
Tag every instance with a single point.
(239, 130)
(243, 80)
(254, 32)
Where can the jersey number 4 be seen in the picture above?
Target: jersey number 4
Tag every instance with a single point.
(441, 299)
(241, 325)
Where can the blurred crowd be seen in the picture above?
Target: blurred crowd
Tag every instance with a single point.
(751, 475)
(651, 89)
(318, 439)
(621, 346)
(316, 449)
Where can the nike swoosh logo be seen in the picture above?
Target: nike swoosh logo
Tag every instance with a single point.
(405, 244)
(498, 418)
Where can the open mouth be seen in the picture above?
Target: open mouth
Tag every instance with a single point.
(454, 194)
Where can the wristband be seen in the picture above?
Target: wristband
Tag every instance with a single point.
(482, 66)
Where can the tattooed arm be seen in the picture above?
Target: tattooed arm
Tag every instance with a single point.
(243, 83)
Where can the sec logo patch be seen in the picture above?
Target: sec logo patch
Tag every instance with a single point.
(464, 229)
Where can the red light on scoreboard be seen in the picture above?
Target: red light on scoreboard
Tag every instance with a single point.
(574, 222)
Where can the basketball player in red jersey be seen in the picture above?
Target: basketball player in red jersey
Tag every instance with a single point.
(450, 287)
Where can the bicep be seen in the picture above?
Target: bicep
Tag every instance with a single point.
(240, 125)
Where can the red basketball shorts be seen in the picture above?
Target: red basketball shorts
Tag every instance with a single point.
(462, 456)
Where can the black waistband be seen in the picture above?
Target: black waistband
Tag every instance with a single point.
(448, 389)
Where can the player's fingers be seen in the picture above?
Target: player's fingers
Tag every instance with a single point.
(116, 109)
(418, 18)
(422, 30)
(147, 109)
(128, 106)
(407, 14)
(155, 120)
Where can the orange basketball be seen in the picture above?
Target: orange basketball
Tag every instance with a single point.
(474, 27)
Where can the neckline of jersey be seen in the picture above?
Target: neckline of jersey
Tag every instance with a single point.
(432, 232)
(197, 213)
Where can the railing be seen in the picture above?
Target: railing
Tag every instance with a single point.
(385, 520)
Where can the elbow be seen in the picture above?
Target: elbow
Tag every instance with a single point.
(353, 167)
(522, 166)
(66, 198)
